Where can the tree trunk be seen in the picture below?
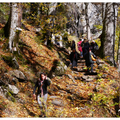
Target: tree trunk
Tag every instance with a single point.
(87, 21)
(108, 32)
(115, 7)
(14, 22)
(119, 54)
(102, 39)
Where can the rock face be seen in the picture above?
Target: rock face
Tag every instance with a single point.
(78, 25)
(75, 14)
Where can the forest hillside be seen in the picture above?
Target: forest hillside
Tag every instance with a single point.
(72, 92)
(82, 98)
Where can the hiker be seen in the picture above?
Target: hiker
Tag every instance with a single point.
(42, 84)
(79, 44)
(86, 52)
(91, 61)
(74, 58)
(73, 46)
(93, 46)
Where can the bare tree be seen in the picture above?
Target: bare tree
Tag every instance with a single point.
(108, 32)
(103, 30)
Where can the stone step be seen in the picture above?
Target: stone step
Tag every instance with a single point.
(88, 78)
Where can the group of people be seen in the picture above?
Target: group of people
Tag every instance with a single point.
(86, 51)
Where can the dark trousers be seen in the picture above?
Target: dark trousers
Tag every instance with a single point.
(74, 63)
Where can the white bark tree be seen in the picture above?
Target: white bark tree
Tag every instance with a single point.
(115, 9)
(87, 21)
(15, 23)
(108, 33)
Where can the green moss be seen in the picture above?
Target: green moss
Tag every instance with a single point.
(9, 95)
(99, 27)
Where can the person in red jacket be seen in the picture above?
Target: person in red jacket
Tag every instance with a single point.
(80, 47)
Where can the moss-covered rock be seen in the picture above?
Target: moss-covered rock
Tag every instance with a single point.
(60, 69)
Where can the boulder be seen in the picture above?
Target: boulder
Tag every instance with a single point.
(58, 102)
(17, 74)
(13, 89)
(60, 69)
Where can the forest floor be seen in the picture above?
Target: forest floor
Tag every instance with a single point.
(94, 97)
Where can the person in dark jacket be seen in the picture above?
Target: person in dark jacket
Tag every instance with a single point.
(74, 58)
(86, 52)
(73, 46)
(42, 93)
(93, 46)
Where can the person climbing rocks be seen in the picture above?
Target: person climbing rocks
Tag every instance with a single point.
(85, 49)
(42, 93)
(79, 44)
(93, 46)
(73, 46)
(74, 58)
